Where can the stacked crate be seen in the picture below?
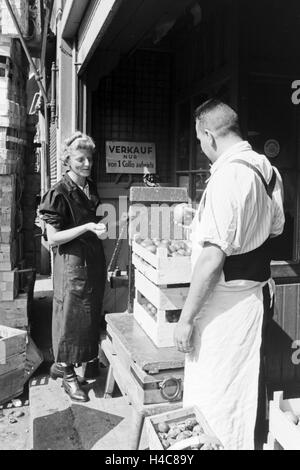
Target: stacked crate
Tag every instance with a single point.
(161, 288)
(162, 277)
(13, 78)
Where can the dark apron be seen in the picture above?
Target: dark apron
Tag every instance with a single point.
(79, 273)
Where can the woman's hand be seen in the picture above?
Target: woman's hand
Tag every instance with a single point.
(98, 229)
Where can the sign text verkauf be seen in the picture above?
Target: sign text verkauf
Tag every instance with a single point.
(130, 157)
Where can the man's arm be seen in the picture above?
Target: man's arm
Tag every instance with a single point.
(206, 274)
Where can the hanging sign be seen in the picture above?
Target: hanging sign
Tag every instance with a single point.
(130, 157)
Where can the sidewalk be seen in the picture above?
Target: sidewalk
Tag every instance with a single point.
(57, 423)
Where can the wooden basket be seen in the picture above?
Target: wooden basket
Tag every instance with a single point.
(176, 417)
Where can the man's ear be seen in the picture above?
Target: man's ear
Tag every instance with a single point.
(210, 136)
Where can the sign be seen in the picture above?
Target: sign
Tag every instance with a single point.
(130, 157)
(272, 148)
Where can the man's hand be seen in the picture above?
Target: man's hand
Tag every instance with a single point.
(182, 336)
(184, 214)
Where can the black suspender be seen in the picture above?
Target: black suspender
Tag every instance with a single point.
(269, 187)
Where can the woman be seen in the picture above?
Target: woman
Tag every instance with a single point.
(79, 269)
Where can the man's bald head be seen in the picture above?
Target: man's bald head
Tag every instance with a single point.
(217, 117)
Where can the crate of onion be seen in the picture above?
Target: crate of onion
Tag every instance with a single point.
(183, 429)
(157, 308)
(163, 262)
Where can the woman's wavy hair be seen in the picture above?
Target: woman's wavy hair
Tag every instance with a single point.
(77, 141)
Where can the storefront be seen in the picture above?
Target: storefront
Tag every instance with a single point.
(137, 74)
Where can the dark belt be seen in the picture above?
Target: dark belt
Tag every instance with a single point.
(251, 266)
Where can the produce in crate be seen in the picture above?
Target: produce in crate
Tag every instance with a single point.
(172, 316)
(174, 247)
(187, 434)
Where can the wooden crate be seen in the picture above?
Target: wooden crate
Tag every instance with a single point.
(281, 429)
(157, 327)
(12, 362)
(14, 313)
(162, 297)
(167, 303)
(160, 268)
(175, 418)
(9, 285)
(148, 375)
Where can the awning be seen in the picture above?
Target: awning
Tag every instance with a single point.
(111, 28)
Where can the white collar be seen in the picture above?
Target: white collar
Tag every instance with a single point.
(232, 152)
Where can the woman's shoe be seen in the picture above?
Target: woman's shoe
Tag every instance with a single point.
(72, 388)
(57, 371)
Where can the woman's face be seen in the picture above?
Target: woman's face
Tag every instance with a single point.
(80, 162)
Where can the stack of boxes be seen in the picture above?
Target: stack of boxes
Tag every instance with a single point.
(161, 257)
(13, 77)
(21, 11)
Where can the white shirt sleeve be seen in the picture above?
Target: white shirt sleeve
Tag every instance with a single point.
(218, 224)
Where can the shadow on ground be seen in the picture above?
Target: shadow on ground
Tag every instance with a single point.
(65, 428)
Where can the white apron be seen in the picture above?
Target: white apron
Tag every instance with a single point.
(221, 374)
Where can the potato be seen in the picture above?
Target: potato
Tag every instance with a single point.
(197, 430)
(181, 252)
(291, 417)
(187, 434)
(190, 424)
(182, 245)
(147, 242)
(151, 248)
(176, 246)
(173, 433)
(138, 240)
(181, 427)
(163, 427)
(171, 249)
(165, 242)
(180, 437)
(153, 310)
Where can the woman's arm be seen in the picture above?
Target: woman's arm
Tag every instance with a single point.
(60, 237)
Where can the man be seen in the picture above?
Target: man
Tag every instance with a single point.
(220, 327)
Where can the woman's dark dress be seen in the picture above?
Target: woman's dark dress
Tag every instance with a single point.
(79, 273)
